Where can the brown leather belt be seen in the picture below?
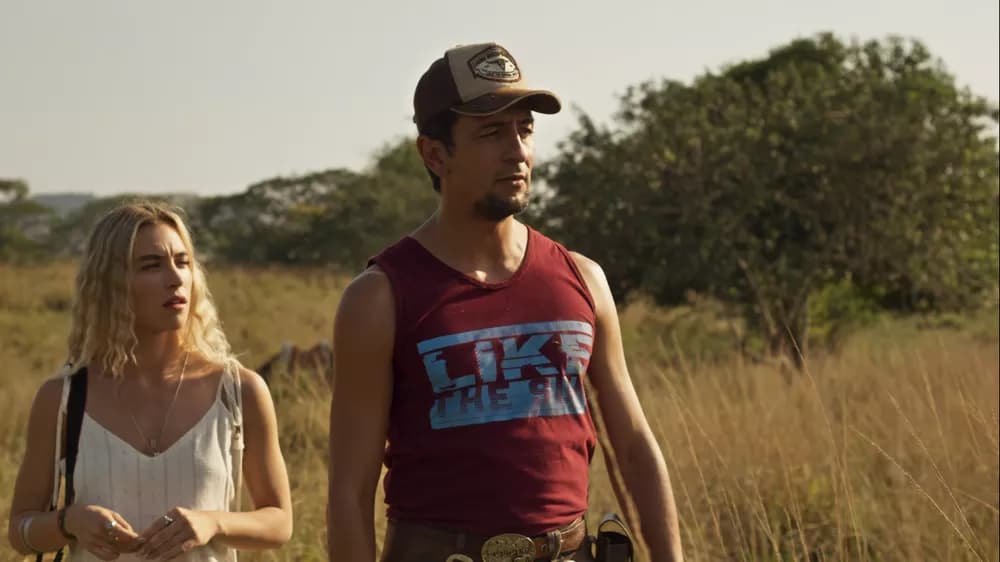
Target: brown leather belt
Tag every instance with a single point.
(410, 538)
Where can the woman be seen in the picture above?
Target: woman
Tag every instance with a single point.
(158, 469)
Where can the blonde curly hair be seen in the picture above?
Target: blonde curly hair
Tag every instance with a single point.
(102, 329)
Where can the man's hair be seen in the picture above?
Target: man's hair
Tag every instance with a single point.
(440, 128)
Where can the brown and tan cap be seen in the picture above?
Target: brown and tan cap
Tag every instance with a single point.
(480, 79)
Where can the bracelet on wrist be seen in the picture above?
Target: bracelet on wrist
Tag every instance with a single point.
(61, 518)
(25, 525)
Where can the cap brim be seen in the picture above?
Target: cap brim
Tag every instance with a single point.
(542, 101)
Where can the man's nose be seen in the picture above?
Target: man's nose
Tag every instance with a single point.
(518, 149)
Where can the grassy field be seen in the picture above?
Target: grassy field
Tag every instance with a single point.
(887, 450)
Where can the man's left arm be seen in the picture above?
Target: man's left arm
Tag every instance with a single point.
(634, 447)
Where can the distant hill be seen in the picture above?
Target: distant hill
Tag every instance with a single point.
(62, 203)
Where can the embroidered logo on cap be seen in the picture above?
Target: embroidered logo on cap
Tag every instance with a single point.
(496, 64)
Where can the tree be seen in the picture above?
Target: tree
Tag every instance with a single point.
(12, 190)
(773, 178)
(388, 201)
(68, 235)
(267, 222)
(330, 217)
(24, 224)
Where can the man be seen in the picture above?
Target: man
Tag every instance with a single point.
(466, 344)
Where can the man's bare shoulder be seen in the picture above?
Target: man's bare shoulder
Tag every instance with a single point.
(371, 284)
(594, 275)
(367, 302)
(587, 266)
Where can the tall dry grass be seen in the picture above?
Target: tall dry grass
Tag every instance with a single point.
(887, 450)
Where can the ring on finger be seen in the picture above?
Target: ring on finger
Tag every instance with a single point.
(167, 520)
(109, 528)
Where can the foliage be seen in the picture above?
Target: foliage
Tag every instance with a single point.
(764, 183)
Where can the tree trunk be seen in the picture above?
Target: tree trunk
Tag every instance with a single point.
(788, 339)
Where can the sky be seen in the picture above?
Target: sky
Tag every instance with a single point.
(111, 96)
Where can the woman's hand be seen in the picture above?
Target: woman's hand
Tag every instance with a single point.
(104, 533)
(177, 532)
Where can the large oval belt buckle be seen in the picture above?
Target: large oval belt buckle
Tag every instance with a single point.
(508, 547)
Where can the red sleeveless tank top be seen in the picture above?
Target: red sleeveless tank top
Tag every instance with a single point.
(489, 428)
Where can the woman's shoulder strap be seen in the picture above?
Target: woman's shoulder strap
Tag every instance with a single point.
(76, 405)
(232, 392)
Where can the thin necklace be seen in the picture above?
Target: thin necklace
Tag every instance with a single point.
(153, 444)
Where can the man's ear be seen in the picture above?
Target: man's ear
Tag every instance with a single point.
(434, 153)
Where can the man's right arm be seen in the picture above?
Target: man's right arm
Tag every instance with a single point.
(363, 336)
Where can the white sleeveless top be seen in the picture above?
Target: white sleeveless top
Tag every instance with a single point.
(196, 472)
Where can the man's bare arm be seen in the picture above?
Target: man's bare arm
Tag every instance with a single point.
(634, 446)
(363, 338)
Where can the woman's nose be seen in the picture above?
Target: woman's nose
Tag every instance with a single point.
(174, 278)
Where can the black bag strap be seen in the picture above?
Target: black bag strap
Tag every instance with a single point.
(75, 406)
(74, 420)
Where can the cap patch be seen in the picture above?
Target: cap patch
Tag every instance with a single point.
(495, 63)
